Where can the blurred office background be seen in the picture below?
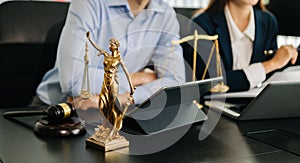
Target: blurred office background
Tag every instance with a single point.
(283, 39)
(174, 3)
(34, 29)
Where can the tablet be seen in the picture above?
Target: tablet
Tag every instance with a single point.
(170, 107)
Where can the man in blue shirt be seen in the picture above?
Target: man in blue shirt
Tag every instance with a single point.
(144, 28)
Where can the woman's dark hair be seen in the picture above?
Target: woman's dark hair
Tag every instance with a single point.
(215, 6)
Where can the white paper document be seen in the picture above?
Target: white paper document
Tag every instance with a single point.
(292, 68)
(289, 75)
(243, 94)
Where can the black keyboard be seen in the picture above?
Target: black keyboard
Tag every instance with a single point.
(238, 108)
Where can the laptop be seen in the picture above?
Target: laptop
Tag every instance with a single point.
(276, 100)
(170, 107)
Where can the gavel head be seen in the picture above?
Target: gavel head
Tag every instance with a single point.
(60, 111)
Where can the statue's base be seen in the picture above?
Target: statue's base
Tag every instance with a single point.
(112, 145)
(102, 140)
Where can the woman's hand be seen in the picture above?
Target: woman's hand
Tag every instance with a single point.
(283, 56)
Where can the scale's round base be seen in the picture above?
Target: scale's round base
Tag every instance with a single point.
(65, 128)
(220, 88)
(85, 94)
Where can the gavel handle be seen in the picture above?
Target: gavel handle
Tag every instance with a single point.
(23, 113)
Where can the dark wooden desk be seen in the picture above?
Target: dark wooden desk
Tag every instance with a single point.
(225, 144)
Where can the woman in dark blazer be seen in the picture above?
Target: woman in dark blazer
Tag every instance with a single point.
(245, 30)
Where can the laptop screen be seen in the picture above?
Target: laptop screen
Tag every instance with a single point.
(277, 100)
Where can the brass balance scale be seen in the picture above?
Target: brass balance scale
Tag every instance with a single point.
(221, 87)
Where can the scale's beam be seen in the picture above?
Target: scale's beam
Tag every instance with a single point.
(195, 37)
(198, 37)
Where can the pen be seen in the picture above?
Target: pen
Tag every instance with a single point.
(271, 52)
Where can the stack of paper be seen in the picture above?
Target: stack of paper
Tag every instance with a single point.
(290, 74)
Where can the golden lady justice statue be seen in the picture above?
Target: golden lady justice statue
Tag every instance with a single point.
(219, 87)
(106, 136)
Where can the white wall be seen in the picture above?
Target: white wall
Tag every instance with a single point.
(188, 3)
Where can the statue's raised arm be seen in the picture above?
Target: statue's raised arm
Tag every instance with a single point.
(95, 45)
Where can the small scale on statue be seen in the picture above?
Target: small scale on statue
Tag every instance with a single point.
(106, 136)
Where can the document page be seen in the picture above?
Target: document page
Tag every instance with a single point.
(285, 76)
(290, 74)
(292, 68)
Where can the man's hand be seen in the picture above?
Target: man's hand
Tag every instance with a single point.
(84, 104)
(143, 77)
(92, 102)
(125, 98)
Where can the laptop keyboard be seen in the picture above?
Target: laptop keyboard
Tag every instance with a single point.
(237, 107)
(232, 109)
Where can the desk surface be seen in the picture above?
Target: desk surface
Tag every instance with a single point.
(225, 144)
